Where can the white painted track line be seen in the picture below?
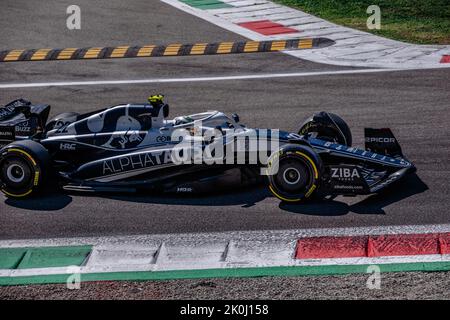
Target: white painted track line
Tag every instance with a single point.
(195, 79)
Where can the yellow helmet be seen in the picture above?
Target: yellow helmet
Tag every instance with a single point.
(156, 99)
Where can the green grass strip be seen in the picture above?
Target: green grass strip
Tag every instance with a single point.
(415, 21)
(230, 273)
(207, 4)
(43, 257)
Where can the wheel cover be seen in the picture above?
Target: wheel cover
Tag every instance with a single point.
(19, 173)
(293, 176)
(15, 173)
(296, 178)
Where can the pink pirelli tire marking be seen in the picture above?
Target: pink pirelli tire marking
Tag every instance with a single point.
(373, 246)
(267, 27)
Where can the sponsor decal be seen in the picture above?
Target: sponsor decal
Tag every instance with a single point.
(6, 111)
(124, 141)
(305, 129)
(380, 139)
(347, 179)
(67, 146)
(183, 189)
(358, 152)
(7, 134)
(163, 139)
(136, 162)
(405, 163)
(294, 136)
(347, 187)
(24, 128)
(346, 173)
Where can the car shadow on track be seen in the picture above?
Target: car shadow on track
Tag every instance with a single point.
(246, 198)
(372, 204)
(54, 200)
(243, 197)
(49, 201)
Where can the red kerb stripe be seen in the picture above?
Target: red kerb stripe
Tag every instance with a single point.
(267, 27)
(445, 58)
(373, 246)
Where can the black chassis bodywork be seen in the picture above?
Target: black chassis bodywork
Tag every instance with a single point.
(127, 148)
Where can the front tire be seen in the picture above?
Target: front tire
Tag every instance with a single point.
(24, 167)
(327, 126)
(294, 173)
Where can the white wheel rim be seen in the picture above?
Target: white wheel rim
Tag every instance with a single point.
(12, 177)
(286, 178)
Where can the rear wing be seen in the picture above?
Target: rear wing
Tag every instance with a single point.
(20, 118)
(382, 141)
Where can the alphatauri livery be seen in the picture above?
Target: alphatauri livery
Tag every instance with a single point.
(135, 147)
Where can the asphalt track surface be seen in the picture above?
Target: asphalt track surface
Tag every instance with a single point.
(414, 103)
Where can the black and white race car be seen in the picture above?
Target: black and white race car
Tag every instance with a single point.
(133, 147)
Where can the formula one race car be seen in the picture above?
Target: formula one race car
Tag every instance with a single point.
(133, 147)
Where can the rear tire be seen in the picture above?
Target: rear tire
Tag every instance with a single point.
(24, 168)
(294, 173)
